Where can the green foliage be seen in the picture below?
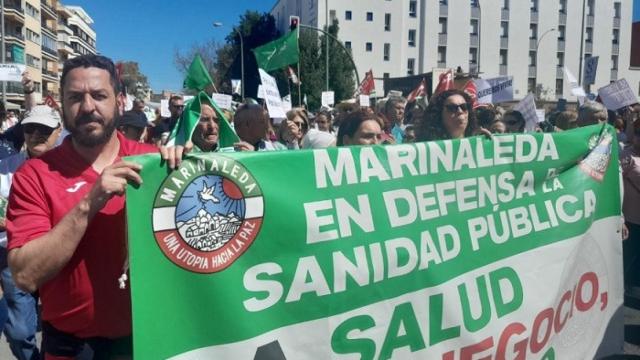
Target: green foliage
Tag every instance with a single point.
(135, 82)
(341, 72)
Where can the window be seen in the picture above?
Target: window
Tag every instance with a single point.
(443, 2)
(332, 15)
(531, 85)
(503, 57)
(589, 35)
(347, 15)
(385, 75)
(368, 47)
(32, 11)
(474, 27)
(412, 38)
(474, 3)
(49, 43)
(387, 22)
(410, 66)
(559, 86)
(369, 16)
(591, 7)
(534, 5)
(443, 25)
(347, 44)
(33, 61)
(387, 52)
(616, 36)
(614, 62)
(442, 54)
(534, 31)
(532, 58)
(563, 6)
(616, 10)
(32, 36)
(473, 56)
(560, 59)
(505, 4)
(504, 29)
(413, 8)
(561, 32)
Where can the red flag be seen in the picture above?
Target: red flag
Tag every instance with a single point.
(421, 90)
(367, 85)
(471, 89)
(50, 102)
(445, 82)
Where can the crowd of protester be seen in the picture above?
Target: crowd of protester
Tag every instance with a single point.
(450, 114)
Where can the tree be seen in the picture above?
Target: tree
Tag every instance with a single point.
(134, 81)
(311, 75)
(341, 79)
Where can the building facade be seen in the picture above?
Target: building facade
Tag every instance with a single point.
(42, 34)
(531, 40)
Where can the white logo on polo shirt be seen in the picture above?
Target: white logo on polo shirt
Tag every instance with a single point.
(76, 186)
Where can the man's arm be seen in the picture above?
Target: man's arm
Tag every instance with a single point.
(29, 89)
(43, 257)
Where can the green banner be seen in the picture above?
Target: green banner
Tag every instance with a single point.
(436, 250)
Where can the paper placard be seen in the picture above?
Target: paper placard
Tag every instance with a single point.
(363, 100)
(617, 95)
(576, 89)
(271, 95)
(222, 100)
(494, 90)
(11, 72)
(540, 113)
(164, 108)
(527, 107)
(328, 98)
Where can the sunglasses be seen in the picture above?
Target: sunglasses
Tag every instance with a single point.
(42, 129)
(455, 107)
(178, 106)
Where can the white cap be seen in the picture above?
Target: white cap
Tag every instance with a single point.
(42, 114)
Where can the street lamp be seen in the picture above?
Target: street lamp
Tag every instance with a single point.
(542, 36)
(219, 24)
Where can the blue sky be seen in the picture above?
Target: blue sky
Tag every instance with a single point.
(149, 31)
(636, 10)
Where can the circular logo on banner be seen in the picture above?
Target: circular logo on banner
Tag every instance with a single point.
(207, 213)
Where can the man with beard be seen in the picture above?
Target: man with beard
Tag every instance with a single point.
(66, 220)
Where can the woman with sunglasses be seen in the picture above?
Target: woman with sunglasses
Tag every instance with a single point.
(448, 116)
(293, 129)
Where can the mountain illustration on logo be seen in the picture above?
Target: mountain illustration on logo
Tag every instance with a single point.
(596, 163)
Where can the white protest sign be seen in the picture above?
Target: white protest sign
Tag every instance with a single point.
(364, 100)
(128, 105)
(328, 98)
(590, 68)
(260, 94)
(186, 98)
(164, 108)
(540, 113)
(617, 95)
(236, 86)
(527, 107)
(222, 100)
(494, 90)
(286, 103)
(11, 72)
(576, 89)
(272, 95)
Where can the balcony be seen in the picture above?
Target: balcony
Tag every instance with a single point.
(475, 12)
(49, 31)
(504, 15)
(532, 71)
(588, 47)
(50, 52)
(503, 69)
(562, 19)
(589, 20)
(50, 74)
(14, 88)
(444, 10)
(559, 72)
(442, 39)
(616, 23)
(533, 43)
(48, 10)
(614, 74)
(442, 64)
(504, 42)
(534, 16)
(13, 37)
(615, 49)
(473, 40)
(560, 45)
(14, 11)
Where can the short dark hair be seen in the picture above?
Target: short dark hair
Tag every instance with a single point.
(174, 98)
(87, 61)
(351, 123)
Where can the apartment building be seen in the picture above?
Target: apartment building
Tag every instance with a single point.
(531, 40)
(42, 34)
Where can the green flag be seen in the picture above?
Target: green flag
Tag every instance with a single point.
(183, 130)
(278, 53)
(198, 77)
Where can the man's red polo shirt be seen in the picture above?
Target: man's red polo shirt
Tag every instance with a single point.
(83, 298)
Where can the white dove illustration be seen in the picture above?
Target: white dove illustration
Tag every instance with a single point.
(207, 194)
